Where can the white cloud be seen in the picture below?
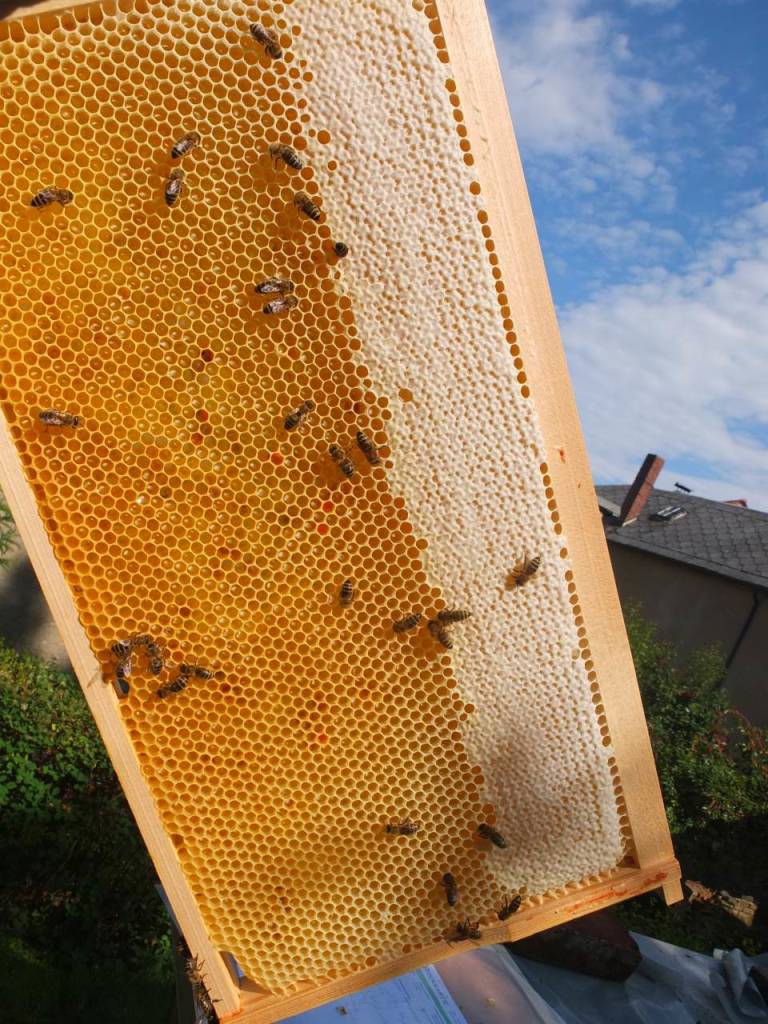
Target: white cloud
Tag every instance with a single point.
(654, 5)
(575, 90)
(668, 364)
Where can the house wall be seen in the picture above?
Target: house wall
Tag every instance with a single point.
(692, 608)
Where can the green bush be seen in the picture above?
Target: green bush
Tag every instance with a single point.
(7, 532)
(77, 896)
(713, 768)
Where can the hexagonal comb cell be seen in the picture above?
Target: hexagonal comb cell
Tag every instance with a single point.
(237, 554)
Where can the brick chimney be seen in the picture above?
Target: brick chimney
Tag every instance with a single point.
(637, 495)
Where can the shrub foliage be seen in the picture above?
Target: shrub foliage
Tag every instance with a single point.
(713, 768)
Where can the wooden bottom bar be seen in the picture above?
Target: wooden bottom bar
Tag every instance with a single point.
(259, 1007)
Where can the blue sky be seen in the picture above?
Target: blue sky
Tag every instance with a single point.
(643, 126)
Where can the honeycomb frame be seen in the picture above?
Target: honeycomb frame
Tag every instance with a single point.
(462, 39)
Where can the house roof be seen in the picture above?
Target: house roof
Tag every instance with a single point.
(725, 539)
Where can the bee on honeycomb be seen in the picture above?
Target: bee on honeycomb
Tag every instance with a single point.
(186, 144)
(62, 196)
(286, 154)
(281, 305)
(174, 186)
(54, 418)
(268, 39)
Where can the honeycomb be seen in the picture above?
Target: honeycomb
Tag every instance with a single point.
(181, 507)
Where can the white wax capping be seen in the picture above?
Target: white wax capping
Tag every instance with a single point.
(467, 449)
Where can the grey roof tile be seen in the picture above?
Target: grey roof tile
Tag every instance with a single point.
(724, 539)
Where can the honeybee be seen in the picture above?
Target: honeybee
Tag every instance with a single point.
(293, 419)
(268, 39)
(402, 828)
(307, 206)
(448, 882)
(124, 668)
(54, 418)
(274, 286)
(174, 185)
(406, 623)
(449, 615)
(195, 671)
(122, 648)
(287, 154)
(345, 464)
(347, 592)
(341, 249)
(466, 930)
(492, 835)
(368, 448)
(523, 571)
(281, 305)
(175, 686)
(155, 658)
(186, 144)
(440, 634)
(125, 665)
(509, 907)
(52, 195)
(121, 684)
(193, 968)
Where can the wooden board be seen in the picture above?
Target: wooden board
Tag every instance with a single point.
(489, 130)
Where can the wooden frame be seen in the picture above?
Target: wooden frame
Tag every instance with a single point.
(478, 80)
